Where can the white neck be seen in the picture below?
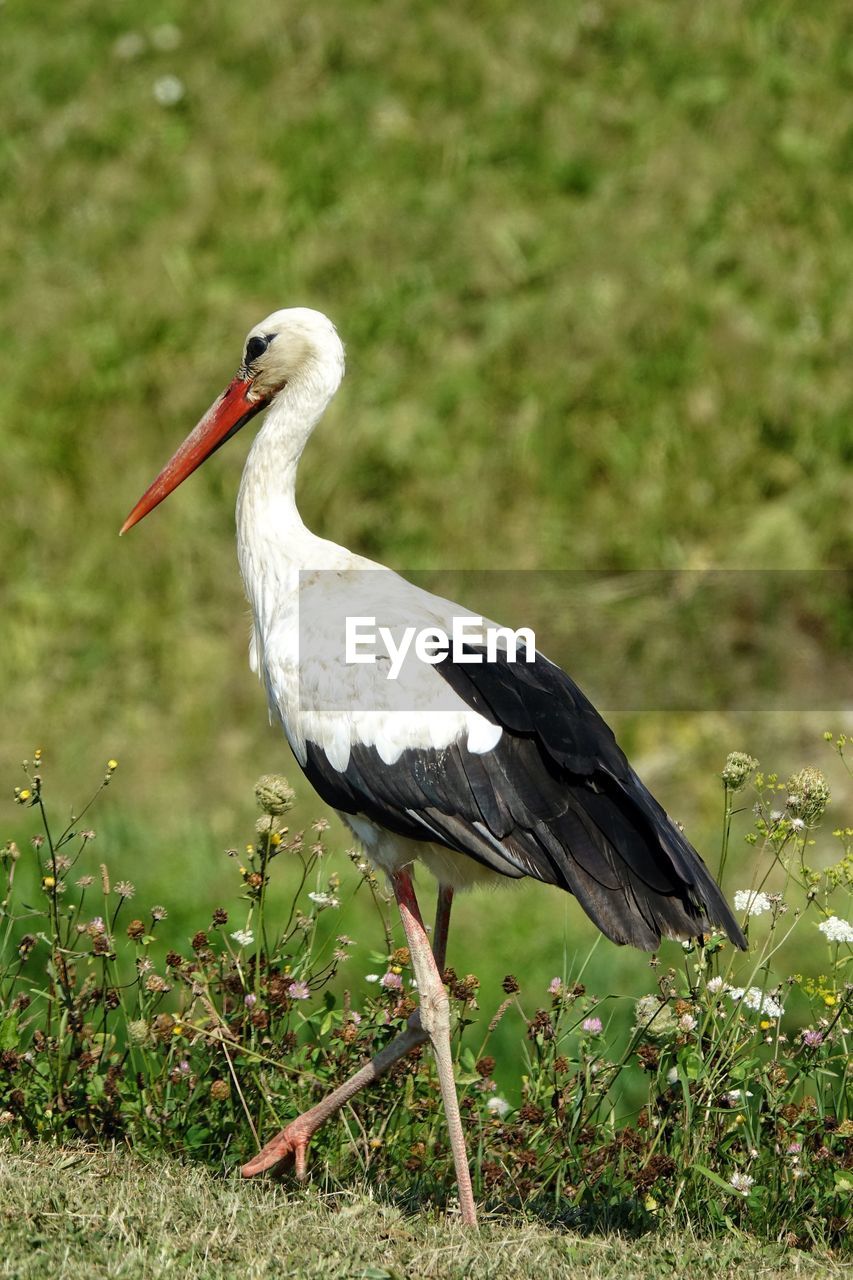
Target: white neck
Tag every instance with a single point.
(272, 542)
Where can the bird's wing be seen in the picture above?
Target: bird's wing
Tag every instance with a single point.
(547, 793)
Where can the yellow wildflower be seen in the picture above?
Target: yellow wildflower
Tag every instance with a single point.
(112, 765)
(48, 882)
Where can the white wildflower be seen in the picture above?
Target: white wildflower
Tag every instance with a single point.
(672, 1075)
(836, 930)
(798, 824)
(714, 985)
(741, 1182)
(754, 999)
(687, 1022)
(498, 1107)
(371, 977)
(243, 937)
(752, 902)
(168, 91)
(324, 900)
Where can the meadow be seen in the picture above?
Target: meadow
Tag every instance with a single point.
(592, 265)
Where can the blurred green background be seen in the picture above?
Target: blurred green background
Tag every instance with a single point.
(593, 267)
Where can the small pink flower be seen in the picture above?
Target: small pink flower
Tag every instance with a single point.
(391, 981)
(299, 991)
(593, 1026)
(250, 1000)
(555, 986)
(812, 1038)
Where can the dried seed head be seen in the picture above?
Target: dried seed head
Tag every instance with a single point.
(808, 795)
(274, 794)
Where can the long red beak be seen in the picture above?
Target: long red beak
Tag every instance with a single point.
(223, 419)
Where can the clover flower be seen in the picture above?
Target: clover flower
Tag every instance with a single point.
(243, 937)
(713, 985)
(741, 1182)
(812, 1039)
(555, 986)
(752, 902)
(836, 930)
(592, 1026)
(391, 981)
(299, 991)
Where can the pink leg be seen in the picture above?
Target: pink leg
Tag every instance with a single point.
(435, 1018)
(293, 1140)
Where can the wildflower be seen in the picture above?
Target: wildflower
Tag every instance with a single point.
(498, 1107)
(345, 941)
(592, 1026)
(752, 902)
(220, 916)
(85, 882)
(274, 794)
(391, 981)
(737, 770)
(168, 91)
(243, 937)
(37, 841)
(797, 824)
(687, 1022)
(220, 1090)
(112, 765)
(808, 795)
(510, 984)
(741, 1182)
(138, 1030)
(324, 900)
(734, 1097)
(24, 795)
(371, 977)
(299, 991)
(812, 1039)
(793, 1148)
(250, 1000)
(136, 930)
(48, 882)
(754, 999)
(96, 927)
(158, 913)
(714, 985)
(555, 987)
(672, 1075)
(155, 984)
(124, 889)
(836, 930)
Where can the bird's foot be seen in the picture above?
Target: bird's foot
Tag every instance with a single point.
(291, 1141)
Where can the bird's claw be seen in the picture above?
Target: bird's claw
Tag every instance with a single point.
(292, 1141)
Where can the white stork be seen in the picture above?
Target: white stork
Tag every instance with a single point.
(476, 770)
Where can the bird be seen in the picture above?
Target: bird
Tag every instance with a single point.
(473, 763)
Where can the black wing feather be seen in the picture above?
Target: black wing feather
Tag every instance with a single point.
(555, 799)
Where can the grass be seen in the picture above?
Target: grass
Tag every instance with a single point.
(116, 1216)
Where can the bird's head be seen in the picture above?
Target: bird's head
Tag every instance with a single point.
(296, 347)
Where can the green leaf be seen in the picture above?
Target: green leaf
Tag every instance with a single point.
(713, 1177)
(9, 1032)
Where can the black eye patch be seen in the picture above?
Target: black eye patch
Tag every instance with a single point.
(255, 347)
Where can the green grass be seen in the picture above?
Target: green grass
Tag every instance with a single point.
(120, 1217)
(592, 264)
